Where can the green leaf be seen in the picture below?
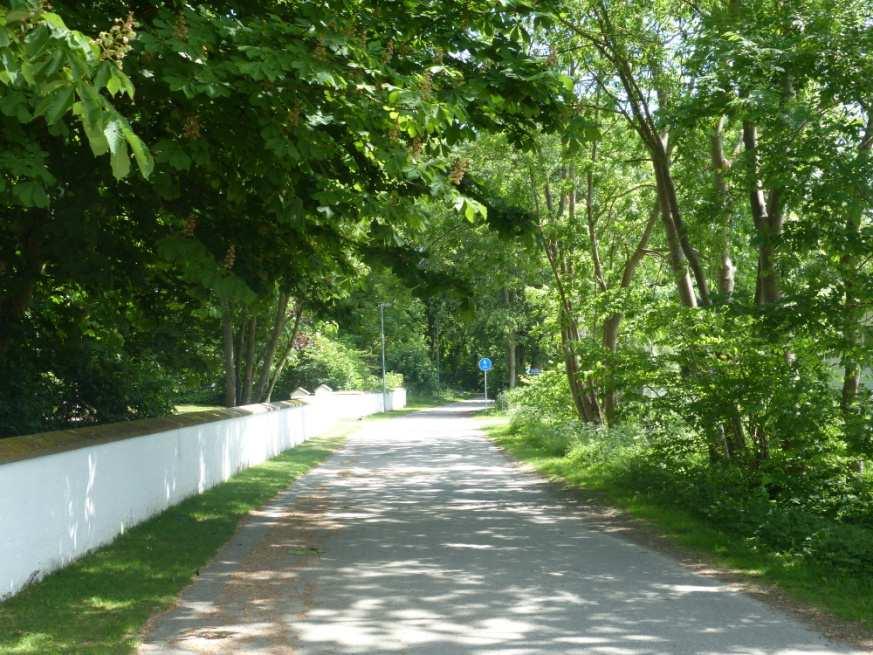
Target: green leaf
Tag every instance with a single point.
(52, 65)
(36, 41)
(114, 135)
(119, 157)
(31, 194)
(56, 24)
(120, 161)
(173, 154)
(17, 15)
(119, 83)
(96, 139)
(104, 71)
(55, 105)
(141, 153)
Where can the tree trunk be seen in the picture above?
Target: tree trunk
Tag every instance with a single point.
(569, 336)
(510, 343)
(298, 313)
(249, 377)
(512, 360)
(768, 219)
(270, 349)
(229, 365)
(571, 367)
(590, 221)
(681, 253)
(676, 256)
(691, 254)
(733, 433)
(238, 348)
(586, 411)
(721, 165)
(613, 322)
(853, 312)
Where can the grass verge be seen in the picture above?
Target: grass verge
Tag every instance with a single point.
(814, 586)
(100, 603)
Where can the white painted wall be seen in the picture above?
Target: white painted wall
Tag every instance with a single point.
(54, 508)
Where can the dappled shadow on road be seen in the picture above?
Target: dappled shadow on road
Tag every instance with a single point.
(422, 538)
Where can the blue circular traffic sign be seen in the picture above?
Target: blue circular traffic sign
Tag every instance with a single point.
(485, 364)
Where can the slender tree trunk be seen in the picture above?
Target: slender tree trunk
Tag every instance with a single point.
(512, 362)
(569, 336)
(721, 165)
(599, 412)
(229, 364)
(436, 350)
(758, 205)
(569, 333)
(768, 219)
(249, 377)
(590, 221)
(691, 254)
(283, 360)
(676, 256)
(613, 322)
(571, 366)
(682, 255)
(239, 347)
(853, 312)
(733, 433)
(590, 401)
(510, 345)
(270, 350)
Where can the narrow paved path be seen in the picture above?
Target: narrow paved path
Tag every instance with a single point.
(421, 537)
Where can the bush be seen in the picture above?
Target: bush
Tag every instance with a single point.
(84, 386)
(327, 360)
(393, 380)
(824, 515)
(412, 360)
(544, 398)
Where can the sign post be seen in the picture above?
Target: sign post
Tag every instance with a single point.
(382, 306)
(485, 365)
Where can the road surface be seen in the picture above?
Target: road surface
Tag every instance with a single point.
(421, 537)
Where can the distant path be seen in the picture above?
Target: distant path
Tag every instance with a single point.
(420, 537)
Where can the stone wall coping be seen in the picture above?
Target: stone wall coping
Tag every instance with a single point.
(30, 446)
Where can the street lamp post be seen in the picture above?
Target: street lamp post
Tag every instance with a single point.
(382, 306)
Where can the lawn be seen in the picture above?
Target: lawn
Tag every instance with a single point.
(100, 603)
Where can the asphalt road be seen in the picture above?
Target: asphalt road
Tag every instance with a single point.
(421, 537)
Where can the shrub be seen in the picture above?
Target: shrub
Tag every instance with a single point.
(824, 515)
(544, 398)
(328, 360)
(393, 380)
(412, 360)
(87, 385)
